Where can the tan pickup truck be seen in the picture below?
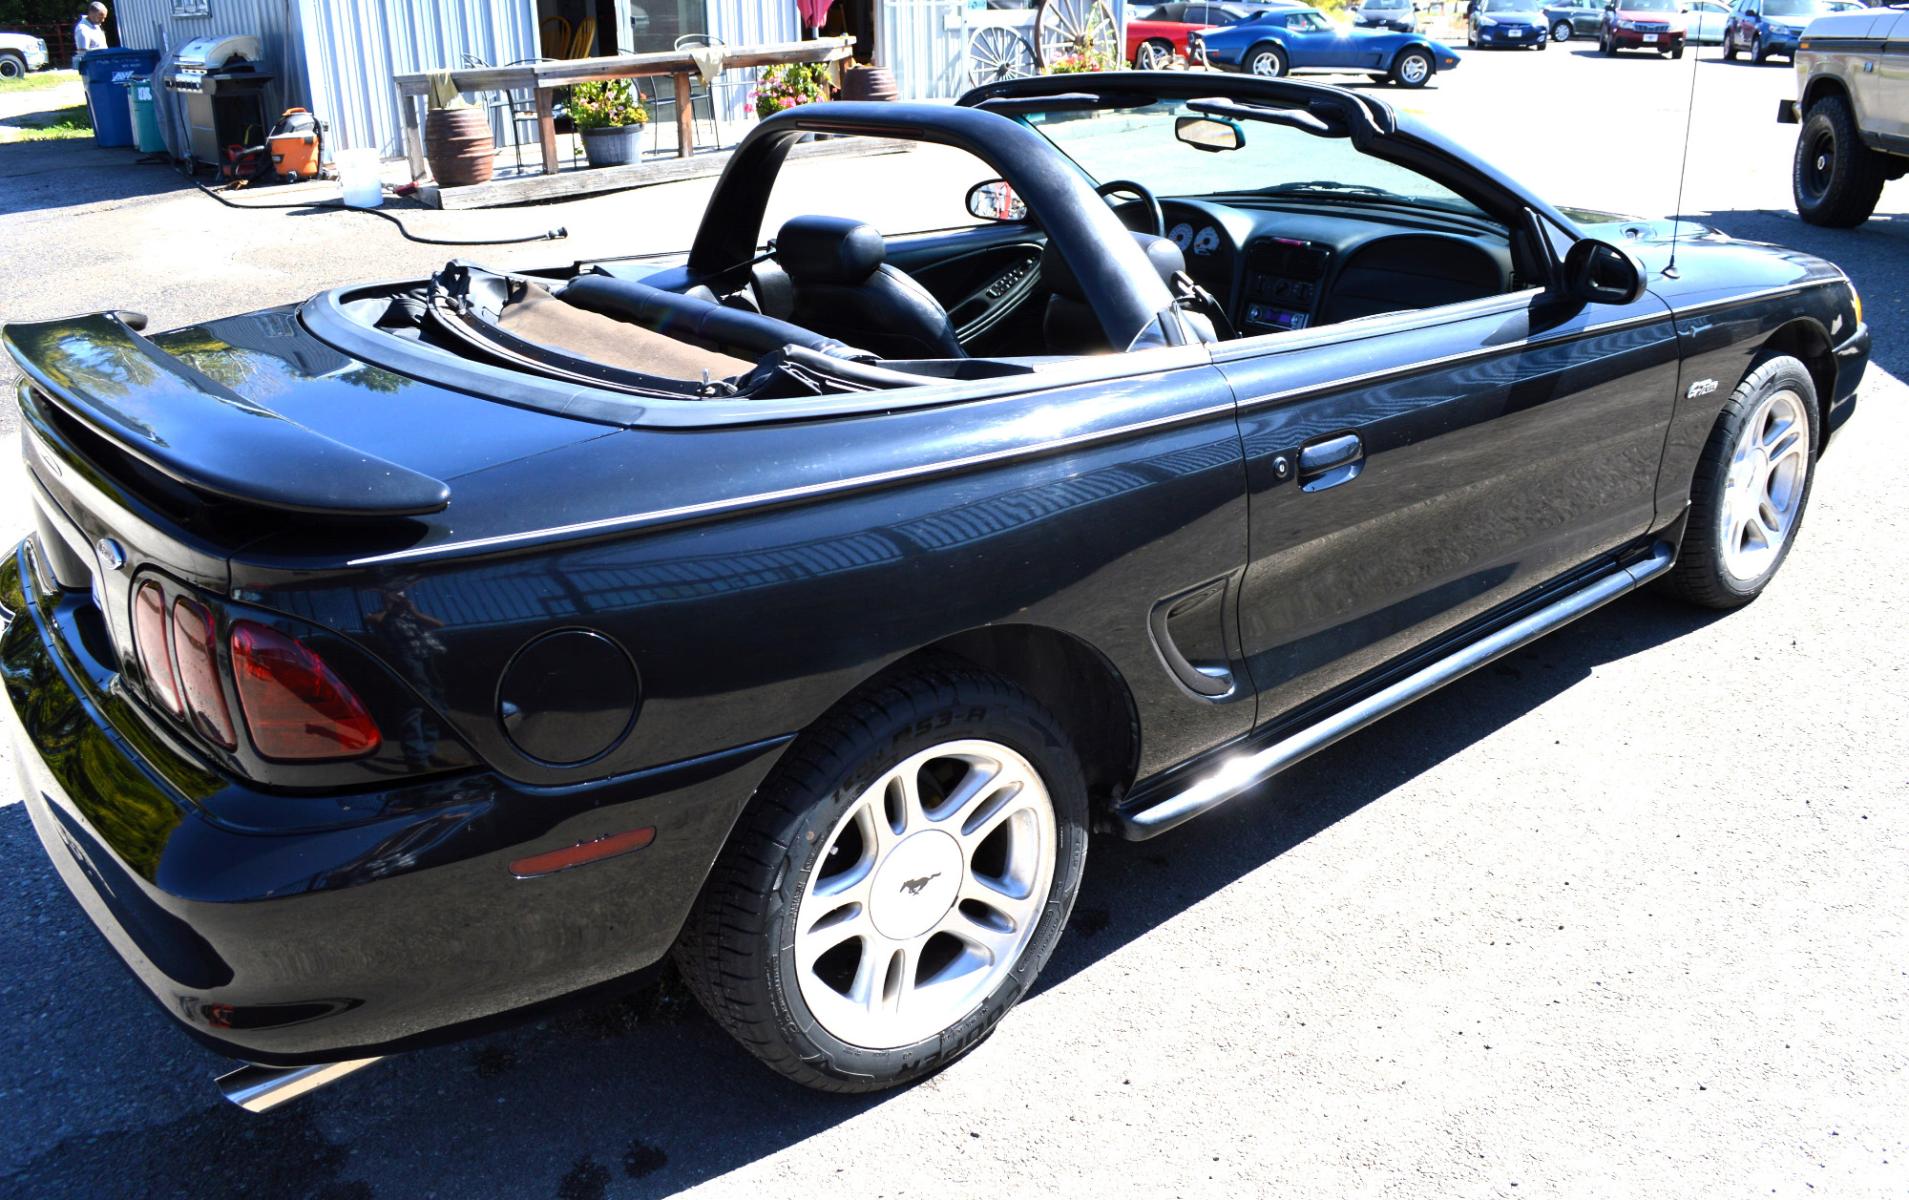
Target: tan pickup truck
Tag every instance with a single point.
(1853, 104)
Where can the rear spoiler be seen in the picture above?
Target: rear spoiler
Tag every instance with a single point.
(197, 431)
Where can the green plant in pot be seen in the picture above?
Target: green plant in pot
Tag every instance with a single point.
(611, 119)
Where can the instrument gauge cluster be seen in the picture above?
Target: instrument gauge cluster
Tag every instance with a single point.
(1206, 241)
(1181, 235)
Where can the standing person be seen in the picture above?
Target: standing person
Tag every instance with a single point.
(89, 32)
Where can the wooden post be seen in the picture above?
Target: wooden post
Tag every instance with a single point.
(413, 140)
(547, 126)
(685, 117)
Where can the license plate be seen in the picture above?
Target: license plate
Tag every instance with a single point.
(1650, 37)
(1514, 33)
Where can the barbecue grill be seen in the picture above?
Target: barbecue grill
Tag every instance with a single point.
(221, 91)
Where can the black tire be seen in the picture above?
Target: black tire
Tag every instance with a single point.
(1758, 54)
(1729, 46)
(1836, 180)
(12, 66)
(1699, 575)
(737, 949)
(1606, 45)
(1677, 52)
(1404, 74)
(1561, 32)
(1377, 78)
(1161, 50)
(1272, 55)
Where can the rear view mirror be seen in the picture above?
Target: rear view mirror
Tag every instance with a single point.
(1600, 273)
(1209, 133)
(995, 201)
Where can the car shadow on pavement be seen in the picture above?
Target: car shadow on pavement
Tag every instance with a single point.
(636, 1095)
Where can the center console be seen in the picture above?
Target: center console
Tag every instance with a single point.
(1284, 277)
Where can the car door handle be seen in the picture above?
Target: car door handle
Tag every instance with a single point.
(1330, 462)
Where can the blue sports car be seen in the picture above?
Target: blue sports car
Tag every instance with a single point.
(1302, 39)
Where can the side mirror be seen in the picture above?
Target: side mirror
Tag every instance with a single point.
(1600, 273)
(1209, 133)
(995, 201)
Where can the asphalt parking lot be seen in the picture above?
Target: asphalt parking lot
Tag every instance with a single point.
(1622, 915)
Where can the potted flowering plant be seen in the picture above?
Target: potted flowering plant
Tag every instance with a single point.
(611, 119)
(1083, 60)
(789, 84)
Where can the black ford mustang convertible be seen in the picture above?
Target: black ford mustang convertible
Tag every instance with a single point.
(393, 662)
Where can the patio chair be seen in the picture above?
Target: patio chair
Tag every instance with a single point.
(714, 98)
(519, 110)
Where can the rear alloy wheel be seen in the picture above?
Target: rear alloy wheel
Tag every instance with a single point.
(1561, 32)
(12, 66)
(1412, 68)
(1154, 55)
(1836, 179)
(896, 886)
(1751, 486)
(1266, 61)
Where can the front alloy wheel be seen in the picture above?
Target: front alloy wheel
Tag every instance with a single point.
(1413, 68)
(1268, 62)
(1561, 32)
(896, 885)
(1752, 483)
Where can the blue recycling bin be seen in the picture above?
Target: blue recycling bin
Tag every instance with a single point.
(105, 73)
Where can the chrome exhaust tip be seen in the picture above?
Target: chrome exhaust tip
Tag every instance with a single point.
(257, 1088)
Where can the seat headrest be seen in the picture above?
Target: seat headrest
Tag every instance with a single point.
(1163, 254)
(829, 250)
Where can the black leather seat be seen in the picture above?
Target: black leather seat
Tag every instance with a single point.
(1070, 326)
(693, 317)
(841, 287)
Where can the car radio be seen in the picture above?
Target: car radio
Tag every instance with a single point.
(1283, 281)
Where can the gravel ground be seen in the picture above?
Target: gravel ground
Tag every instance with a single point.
(1619, 916)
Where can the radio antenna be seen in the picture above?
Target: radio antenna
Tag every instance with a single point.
(1683, 166)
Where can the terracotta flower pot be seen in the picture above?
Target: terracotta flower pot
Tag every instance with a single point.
(459, 146)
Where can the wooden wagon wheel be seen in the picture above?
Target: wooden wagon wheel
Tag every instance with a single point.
(996, 52)
(1066, 28)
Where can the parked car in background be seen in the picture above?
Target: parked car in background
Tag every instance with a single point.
(1761, 28)
(20, 53)
(1654, 25)
(1853, 103)
(1302, 39)
(1704, 21)
(1837, 6)
(1566, 21)
(1521, 24)
(1399, 15)
(1156, 34)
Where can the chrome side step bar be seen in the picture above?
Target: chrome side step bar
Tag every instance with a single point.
(1239, 774)
(257, 1088)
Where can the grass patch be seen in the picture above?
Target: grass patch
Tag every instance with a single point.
(74, 122)
(38, 81)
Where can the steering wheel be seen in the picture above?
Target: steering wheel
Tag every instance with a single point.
(1114, 187)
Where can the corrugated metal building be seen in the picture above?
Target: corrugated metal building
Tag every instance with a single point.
(337, 57)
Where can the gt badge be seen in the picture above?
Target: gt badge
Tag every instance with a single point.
(1703, 387)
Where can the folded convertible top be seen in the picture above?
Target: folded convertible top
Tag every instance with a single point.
(195, 430)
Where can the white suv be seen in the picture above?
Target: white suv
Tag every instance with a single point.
(19, 54)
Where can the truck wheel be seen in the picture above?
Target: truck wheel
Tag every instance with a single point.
(1412, 68)
(12, 66)
(1836, 179)
(896, 885)
(1751, 487)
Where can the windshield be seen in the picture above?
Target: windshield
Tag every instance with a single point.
(1659, 5)
(1791, 8)
(1506, 6)
(1374, 5)
(1138, 143)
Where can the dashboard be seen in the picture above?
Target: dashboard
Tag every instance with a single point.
(1282, 267)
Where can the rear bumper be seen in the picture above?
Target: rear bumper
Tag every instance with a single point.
(403, 927)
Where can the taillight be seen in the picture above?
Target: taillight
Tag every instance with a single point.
(155, 651)
(294, 706)
(194, 637)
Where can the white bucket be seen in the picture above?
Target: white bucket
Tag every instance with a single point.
(358, 175)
